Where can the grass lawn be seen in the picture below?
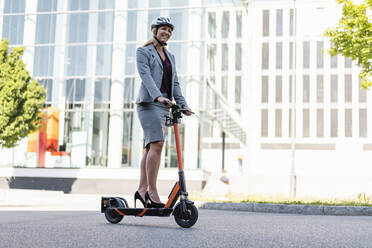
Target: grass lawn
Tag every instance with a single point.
(359, 200)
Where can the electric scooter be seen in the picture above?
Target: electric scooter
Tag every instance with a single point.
(185, 213)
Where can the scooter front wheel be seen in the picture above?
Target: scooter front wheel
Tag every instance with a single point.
(111, 215)
(187, 219)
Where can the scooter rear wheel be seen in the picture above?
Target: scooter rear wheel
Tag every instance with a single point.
(187, 219)
(111, 215)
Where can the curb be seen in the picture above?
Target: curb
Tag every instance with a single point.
(288, 208)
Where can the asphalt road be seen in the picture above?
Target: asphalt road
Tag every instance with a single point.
(214, 229)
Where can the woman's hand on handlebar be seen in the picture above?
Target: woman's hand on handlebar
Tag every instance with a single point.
(189, 112)
(164, 101)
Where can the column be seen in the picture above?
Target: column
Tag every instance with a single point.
(115, 138)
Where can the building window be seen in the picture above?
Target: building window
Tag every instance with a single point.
(224, 86)
(48, 85)
(319, 54)
(225, 24)
(362, 95)
(348, 62)
(334, 123)
(305, 123)
(333, 60)
(290, 93)
(279, 55)
(225, 57)
(319, 88)
(76, 60)
(211, 55)
(291, 22)
(265, 22)
(319, 123)
(104, 60)
(238, 89)
(334, 88)
(291, 52)
(363, 123)
(43, 61)
(265, 89)
(13, 25)
(238, 56)
(306, 54)
(290, 123)
(75, 90)
(265, 56)
(238, 24)
(278, 123)
(348, 88)
(278, 89)
(348, 122)
(279, 22)
(212, 24)
(306, 88)
(264, 122)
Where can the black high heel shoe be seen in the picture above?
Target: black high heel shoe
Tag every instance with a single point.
(153, 204)
(138, 196)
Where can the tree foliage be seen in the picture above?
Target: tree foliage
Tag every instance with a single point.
(20, 97)
(353, 37)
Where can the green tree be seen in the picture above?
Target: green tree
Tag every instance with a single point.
(20, 97)
(353, 37)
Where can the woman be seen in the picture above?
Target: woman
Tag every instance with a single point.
(156, 67)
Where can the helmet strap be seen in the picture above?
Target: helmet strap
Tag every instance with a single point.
(161, 43)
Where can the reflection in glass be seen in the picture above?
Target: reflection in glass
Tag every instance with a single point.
(179, 19)
(105, 26)
(265, 22)
(363, 123)
(348, 88)
(334, 123)
(265, 89)
(75, 90)
(212, 24)
(13, 25)
(225, 24)
(225, 57)
(132, 26)
(224, 86)
(348, 122)
(319, 54)
(211, 56)
(43, 61)
(76, 60)
(306, 88)
(319, 88)
(102, 90)
(264, 122)
(48, 85)
(278, 123)
(279, 22)
(103, 60)
(126, 155)
(306, 54)
(77, 27)
(238, 89)
(291, 22)
(319, 123)
(265, 55)
(278, 89)
(239, 24)
(99, 138)
(279, 55)
(238, 56)
(334, 88)
(305, 123)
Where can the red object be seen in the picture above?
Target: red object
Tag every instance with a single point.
(42, 146)
(178, 146)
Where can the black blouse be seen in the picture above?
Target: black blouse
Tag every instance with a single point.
(166, 83)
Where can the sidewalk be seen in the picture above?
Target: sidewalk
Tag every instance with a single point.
(41, 200)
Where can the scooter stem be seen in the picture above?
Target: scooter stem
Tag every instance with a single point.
(178, 147)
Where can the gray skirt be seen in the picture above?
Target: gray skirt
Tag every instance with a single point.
(152, 118)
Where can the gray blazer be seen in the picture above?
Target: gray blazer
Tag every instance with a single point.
(150, 69)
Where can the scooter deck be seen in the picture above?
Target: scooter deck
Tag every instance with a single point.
(143, 211)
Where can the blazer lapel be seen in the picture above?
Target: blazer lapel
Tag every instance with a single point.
(155, 54)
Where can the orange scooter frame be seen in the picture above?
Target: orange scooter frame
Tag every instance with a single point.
(185, 213)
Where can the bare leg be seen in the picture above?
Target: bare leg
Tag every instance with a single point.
(152, 167)
(142, 188)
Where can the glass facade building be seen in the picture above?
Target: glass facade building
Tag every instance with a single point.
(83, 53)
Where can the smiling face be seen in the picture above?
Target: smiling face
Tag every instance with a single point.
(164, 33)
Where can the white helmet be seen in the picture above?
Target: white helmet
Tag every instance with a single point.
(162, 21)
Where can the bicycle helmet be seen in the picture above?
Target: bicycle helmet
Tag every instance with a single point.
(162, 21)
